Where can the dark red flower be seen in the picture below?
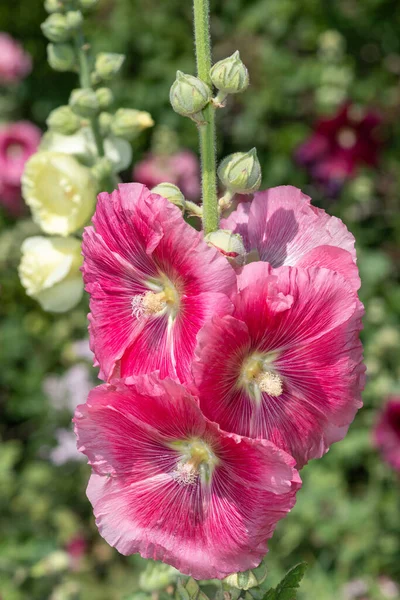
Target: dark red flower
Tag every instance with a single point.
(387, 432)
(339, 145)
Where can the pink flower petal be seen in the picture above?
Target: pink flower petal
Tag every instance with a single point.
(129, 432)
(285, 229)
(140, 240)
(307, 321)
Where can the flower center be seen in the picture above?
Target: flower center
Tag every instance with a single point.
(347, 138)
(258, 375)
(197, 459)
(155, 303)
(270, 383)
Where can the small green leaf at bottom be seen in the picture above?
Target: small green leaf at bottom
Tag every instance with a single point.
(287, 588)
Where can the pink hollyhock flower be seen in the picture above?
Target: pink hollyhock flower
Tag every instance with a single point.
(76, 548)
(172, 486)
(18, 141)
(339, 145)
(286, 366)
(153, 282)
(15, 64)
(387, 432)
(181, 169)
(283, 227)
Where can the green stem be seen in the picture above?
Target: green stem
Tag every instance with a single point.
(207, 132)
(84, 77)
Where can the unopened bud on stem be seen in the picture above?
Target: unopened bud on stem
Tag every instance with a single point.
(61, 57)
(84, 102)
(63, 120)
(74, 19)
(56, 28)
(230, 75)
(172, 193)
(52, 6)
(105, 97)
(241, 172)
(128, 123)
(108, 65)
(229, 244)
(189, 95)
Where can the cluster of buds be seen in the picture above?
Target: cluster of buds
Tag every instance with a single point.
(87, 145)
(239, 173)
(189, 95)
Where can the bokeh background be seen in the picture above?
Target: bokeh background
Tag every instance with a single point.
(308, 60)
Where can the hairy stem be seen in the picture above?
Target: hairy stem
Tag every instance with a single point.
(207, 133)
(84, 77)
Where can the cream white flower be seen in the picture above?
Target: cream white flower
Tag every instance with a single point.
(83, 147)
(60, 192)
(49, 271)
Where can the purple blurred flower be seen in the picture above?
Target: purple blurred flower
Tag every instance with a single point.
(15, 64)
(181, 169)
(69, 390)
(66, 449)
(387, 432)
(339, 145)
(18, 141)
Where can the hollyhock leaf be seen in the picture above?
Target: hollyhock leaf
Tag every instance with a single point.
(172, 486)
(287, 588)
(153, 283)
(287, 364)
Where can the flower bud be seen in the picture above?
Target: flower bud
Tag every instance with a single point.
(157, 576)
(189, 95)
(102, 169)
(50, 271)
(104, 97)
(74, 19)
(129, 122)
(247, 579)
(84, 102)
(53, 6)
(63, 120)
(230, 75)
(56, 28)
(229, 244)
(241, 172)
(87, 5)
(60, 192)
(108, 65)
(172, 193)
(105, 120)
(61, 57)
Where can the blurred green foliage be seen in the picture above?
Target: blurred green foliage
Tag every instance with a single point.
(304, 57)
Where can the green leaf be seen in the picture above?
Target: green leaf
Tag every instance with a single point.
(287, 588)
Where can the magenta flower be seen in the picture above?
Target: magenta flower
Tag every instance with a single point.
(181, 169)
(339, 145)
(172, 486)
(387, 432)
(286, 366)
(15, 64)
(18, 141)
(283, 228)
(153, 283)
